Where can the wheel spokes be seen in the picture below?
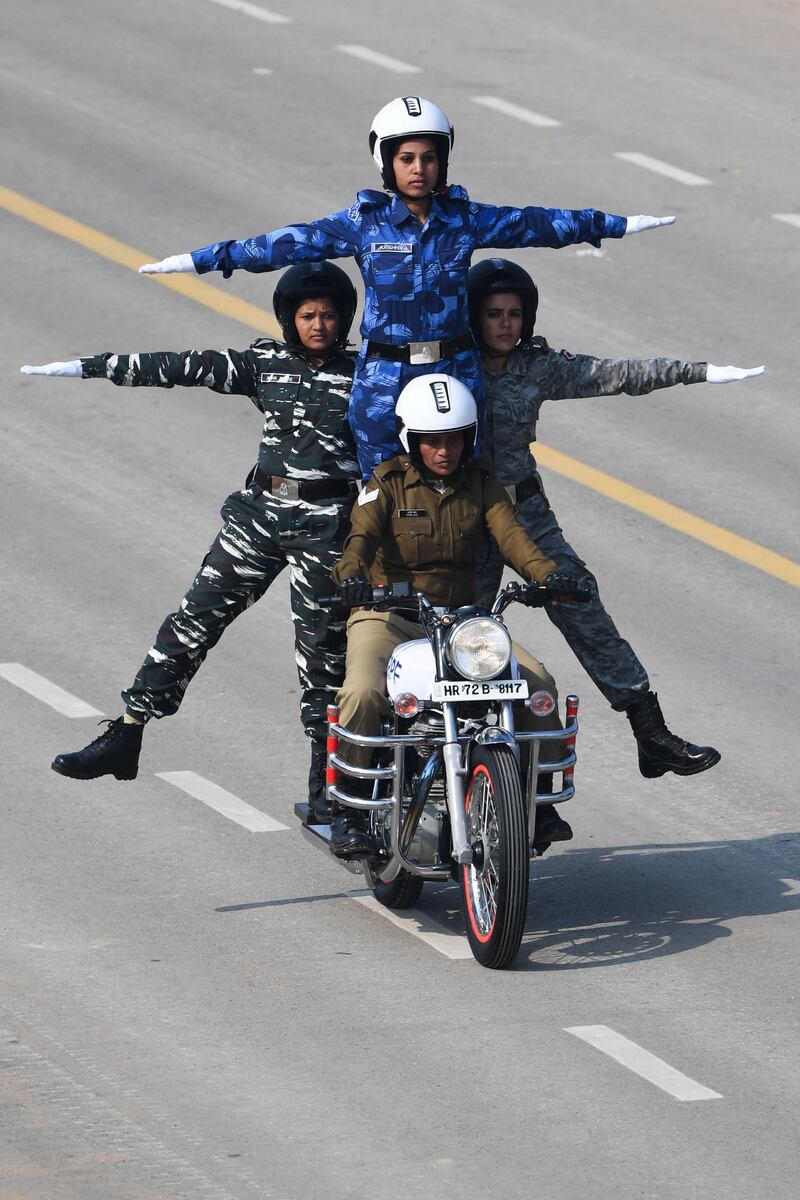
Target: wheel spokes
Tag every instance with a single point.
(484, 882)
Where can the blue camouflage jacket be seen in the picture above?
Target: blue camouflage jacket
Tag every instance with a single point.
(415, 280)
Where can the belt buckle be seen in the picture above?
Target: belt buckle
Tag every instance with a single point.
(420, 354)
(287, 489)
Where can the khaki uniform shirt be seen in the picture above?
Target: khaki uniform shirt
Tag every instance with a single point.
(431, 531)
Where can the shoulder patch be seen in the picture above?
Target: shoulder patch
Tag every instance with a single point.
(366, 497)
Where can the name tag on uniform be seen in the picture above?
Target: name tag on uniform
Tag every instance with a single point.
(392, 247)
(411, 512)
(273, 377)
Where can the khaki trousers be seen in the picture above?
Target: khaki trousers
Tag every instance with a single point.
(363, 702)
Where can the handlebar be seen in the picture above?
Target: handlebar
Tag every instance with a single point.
(392, 591)
(532, 595)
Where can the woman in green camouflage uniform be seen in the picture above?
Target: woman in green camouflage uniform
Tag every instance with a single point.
(293, 511)
(520, 372)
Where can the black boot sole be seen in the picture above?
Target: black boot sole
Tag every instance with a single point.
(121, 775)
(357, 850)
(656, 770)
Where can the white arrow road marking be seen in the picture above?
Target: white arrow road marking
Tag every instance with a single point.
(223, 802)
(662, 168)
(379, 60)
(254, 10)
(789, 218)
(793, 887)
(514, 110)
(49, 693)
(419, 925)
(643, 1063)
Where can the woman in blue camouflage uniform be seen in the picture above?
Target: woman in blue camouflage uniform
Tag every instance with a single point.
(413, 248)
(293, 511)
(520, 373)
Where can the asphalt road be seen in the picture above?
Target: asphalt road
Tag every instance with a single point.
(192, 1009)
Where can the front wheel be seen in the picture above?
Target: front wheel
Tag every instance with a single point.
(494, 887)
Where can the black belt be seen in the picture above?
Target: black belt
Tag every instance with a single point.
(421, 353)
(302, 489)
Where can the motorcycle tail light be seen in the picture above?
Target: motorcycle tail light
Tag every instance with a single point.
(406, 705)
(541, 704)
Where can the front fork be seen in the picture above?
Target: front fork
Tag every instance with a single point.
(456, 766)
(455, 770)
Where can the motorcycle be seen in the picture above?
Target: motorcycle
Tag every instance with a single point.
(455, 785)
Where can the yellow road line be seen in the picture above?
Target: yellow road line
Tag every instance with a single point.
(668, 514)
(257, 318)
(127, 256)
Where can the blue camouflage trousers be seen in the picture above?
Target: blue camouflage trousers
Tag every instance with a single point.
(260, 536)
(589, 631)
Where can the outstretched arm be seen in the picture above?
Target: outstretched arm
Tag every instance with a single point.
(554, 227)
(335, 236)
(577, 375)
(230, 372)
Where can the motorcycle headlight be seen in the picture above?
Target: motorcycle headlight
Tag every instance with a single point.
(479, 648)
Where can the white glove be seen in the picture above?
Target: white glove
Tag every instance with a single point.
(72, 368)
(730, 374)
(639, 224)
(169, 266)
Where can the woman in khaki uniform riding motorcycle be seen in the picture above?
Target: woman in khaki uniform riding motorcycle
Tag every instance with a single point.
(423, 518)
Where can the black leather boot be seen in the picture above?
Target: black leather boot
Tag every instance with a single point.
(320, 807)
(550, 826)
(661, 751)
(115, 752)
(350, 835)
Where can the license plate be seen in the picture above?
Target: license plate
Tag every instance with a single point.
(493, 689)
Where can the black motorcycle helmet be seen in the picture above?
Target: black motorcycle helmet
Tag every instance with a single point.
(307, 281)
(495, 275)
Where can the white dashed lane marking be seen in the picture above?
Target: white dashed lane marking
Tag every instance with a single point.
(254, 10)
(379, 60)
(514, 110)
(49, 693)
(643, 1063)
(221, 801)
(662, 168)
(419, 925)
(789, 218)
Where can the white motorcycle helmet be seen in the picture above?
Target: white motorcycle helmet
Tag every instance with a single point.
(404, 118)
(436, 404)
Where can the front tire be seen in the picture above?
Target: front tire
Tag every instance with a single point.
(494, 888)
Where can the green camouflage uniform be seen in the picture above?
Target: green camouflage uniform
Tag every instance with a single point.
(306, 437)
(532, 374)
